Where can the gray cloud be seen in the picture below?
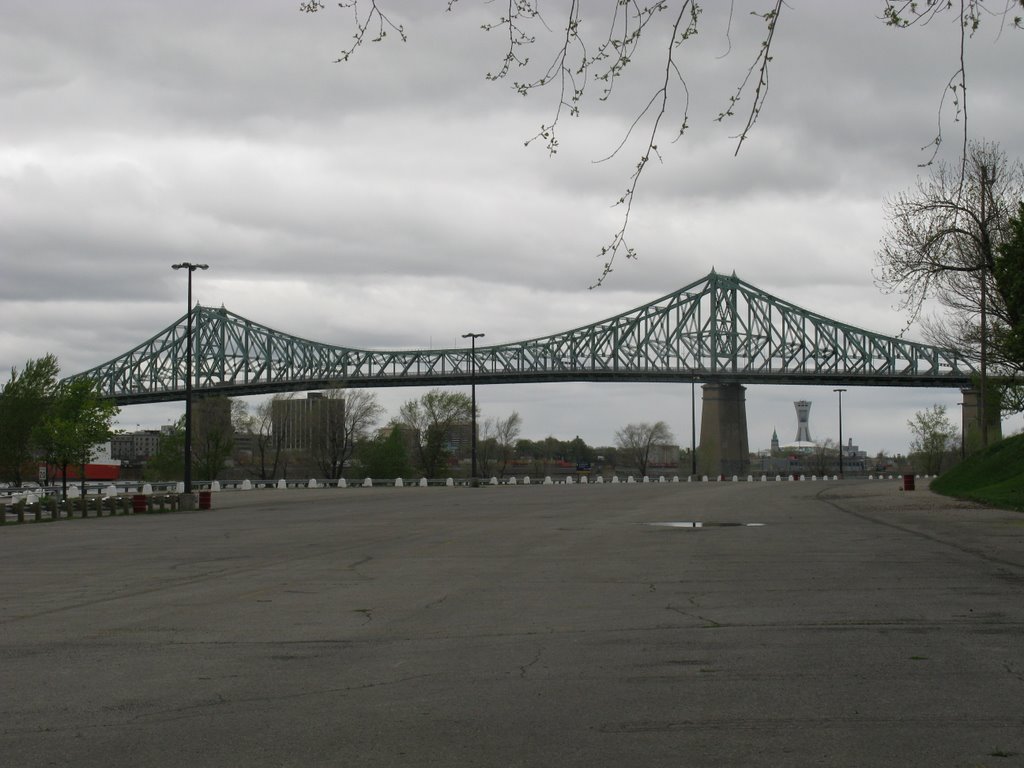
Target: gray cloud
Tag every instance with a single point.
(390, 201)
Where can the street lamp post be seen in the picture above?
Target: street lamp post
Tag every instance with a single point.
(693, 428)
(840, 391)
(188, 372)
(472, 388)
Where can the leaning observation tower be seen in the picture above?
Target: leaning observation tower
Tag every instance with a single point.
(803, 414)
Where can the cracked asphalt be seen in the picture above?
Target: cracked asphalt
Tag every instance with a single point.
(520, 626)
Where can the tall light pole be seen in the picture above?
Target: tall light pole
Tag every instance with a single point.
(840, 391)
(693, 428)
(472, 388)
(188, 372)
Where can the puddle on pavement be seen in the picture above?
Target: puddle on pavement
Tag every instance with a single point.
(699, 524)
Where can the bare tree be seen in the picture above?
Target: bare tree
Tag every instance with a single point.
(574, 53)
(941, 243)
(498, 441)
(942, 238)
(269, 456)
(636, 441)
(824, 457)
(345, 417)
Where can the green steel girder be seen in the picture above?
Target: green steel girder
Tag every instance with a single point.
(716, 329)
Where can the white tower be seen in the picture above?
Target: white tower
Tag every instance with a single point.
(803, 413)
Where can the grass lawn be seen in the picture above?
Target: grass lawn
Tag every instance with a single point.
(994, 476)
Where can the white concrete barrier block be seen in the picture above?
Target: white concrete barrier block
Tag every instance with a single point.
(493, 480)
(630, 479)
(367, 482)
(615, 479)
(282, 484)
(423, 482)
(661, 478)
(778, 478)
(734, 478)
(547, 480)
(814, 478)
(147, 488)
(750, 478)
(646, 479)
(110, 490)
(342, 483)
(600, 479)
(675, 478)
(311, 483)
(449, 482)
(74, 492)
(399, 482)
(568, 480)
(31, 498)
(584, 480)
(215, 485)
(526, 480)
(180, 487)
(703, 478)
(512, 480)
(803, 478)
(689, 478)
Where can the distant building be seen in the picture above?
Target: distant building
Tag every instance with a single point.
(803, 427)
(854, 459)
(663, 457)
(135, 447)
(298, 421)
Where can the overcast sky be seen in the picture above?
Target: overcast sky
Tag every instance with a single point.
(389, 202)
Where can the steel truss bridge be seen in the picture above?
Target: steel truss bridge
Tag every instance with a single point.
(718, 329)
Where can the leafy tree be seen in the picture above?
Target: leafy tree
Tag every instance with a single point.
(213, 435)
(581, 53)
(1009, 275)
(77, 419)
(433, 418)
(636, 440)
(24, 401)
(387, 457)
(934, 436)
(346, 418)
(168, 461)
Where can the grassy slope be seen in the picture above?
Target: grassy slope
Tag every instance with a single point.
(994, 476)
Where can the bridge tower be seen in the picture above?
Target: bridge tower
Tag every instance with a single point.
(803, 416)
(723, 431)
(971, 419)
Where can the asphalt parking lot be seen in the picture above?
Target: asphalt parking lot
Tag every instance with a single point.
(854, 625)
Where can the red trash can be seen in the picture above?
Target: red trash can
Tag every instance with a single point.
(204, 499)
(908, 482)
(139, 504)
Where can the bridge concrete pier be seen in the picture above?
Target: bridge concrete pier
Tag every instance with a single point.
(723, 431)
(971, 419)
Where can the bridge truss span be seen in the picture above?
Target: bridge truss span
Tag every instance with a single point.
(717, 329)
